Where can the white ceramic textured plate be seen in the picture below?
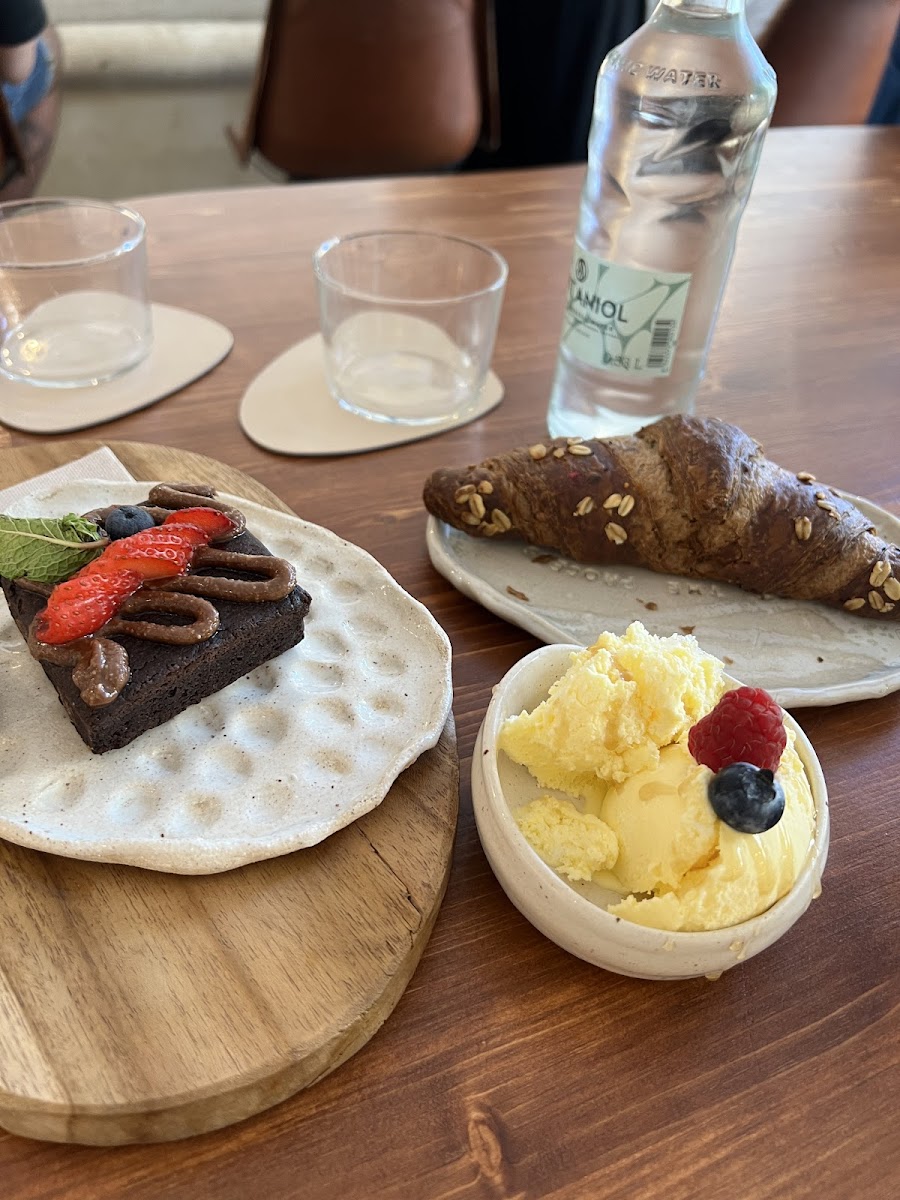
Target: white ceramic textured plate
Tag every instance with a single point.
(803, 654)
(278, 760)
(574, 914)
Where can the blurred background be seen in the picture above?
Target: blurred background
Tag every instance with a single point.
(149, 86)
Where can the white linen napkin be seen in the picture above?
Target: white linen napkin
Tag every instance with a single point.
(99, 464)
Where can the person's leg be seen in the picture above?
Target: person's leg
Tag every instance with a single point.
(26, 65)
(21, 24)
(27, 91)
(886, 107)
(29, 96)
(549, 53)
(17, 62)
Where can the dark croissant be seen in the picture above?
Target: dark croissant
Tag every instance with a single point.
(685, 496)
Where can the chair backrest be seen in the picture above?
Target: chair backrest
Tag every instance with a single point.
(358, 88)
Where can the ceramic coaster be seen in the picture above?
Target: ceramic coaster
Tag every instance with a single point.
(185, 346)
(289, 409)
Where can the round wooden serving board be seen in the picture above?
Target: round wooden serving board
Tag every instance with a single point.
(140, 1007)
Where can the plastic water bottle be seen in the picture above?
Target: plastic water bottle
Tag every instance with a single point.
(680, 113)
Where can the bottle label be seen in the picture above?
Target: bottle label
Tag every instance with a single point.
(623, 319)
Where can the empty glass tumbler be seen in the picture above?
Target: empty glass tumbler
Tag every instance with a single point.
(408, 321)
(73, 292)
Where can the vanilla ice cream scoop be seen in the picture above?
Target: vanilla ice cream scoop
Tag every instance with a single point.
(638, 818)
(662, 822)
(621, 700)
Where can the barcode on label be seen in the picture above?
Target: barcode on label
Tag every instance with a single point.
(660, 341)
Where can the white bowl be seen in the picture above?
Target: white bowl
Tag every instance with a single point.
(574, 915)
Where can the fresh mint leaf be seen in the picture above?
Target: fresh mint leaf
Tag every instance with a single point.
(47, 550)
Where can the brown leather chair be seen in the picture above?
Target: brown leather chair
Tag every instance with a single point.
(362, 88)
(25, 149)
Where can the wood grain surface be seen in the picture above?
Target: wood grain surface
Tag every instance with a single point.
(138, 1007)
(508, 1068)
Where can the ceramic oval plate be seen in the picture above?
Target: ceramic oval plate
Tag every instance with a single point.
(280, 759)
(802, 653)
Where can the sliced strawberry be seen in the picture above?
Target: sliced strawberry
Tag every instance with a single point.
(212, 522)
(158, 553)
(82, 604)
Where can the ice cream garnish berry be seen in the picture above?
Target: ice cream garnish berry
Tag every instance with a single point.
(84, 603)
(742, 741)
(746, 726)
(748, 798)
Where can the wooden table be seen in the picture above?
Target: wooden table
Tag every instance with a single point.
(510, 1069)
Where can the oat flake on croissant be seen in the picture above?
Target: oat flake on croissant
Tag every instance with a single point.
(684, 496)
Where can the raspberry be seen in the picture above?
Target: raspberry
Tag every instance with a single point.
(746, 726)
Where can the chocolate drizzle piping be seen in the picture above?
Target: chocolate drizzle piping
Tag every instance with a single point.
(204, 624)
(189, 495)
(99, 515)
(100, 667)
(279, 577)
(33, 585)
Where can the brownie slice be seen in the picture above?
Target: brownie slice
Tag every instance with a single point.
(167, 679)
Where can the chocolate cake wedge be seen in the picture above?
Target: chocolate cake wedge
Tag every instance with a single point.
(236, 608)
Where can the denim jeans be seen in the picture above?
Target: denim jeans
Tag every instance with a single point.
(21, 98)
(886, 107)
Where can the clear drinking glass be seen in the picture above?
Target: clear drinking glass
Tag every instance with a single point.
(409, 321)
(73, 292)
